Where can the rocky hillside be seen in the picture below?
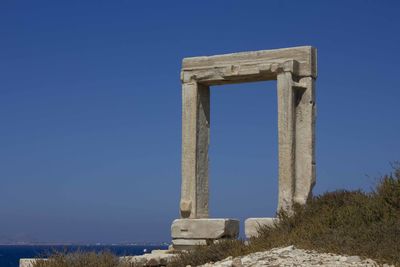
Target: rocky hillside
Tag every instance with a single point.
(291, 256)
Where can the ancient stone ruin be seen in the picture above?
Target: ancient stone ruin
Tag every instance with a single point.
(295, 70)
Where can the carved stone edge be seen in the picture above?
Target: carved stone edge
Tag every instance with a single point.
(240, 72)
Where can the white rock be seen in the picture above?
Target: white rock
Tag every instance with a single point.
(237, 262)
(251, 225)
(28, 262)
(291, 256)
(352, 259)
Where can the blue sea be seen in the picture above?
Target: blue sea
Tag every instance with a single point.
(10, 255)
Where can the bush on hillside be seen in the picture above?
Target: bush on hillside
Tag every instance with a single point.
(343, 222)
(82, 259)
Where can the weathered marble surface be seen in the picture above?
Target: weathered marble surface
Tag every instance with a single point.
(251, 225)
(204, 228)
(295, 70)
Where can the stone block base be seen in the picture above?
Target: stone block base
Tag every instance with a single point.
(188, 233)
(204, 228)
(187, 244)
(251, 225)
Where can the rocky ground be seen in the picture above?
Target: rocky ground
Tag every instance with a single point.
(291, 256)
(277, 257)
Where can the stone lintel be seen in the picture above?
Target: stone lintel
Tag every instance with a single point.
(251, 225)
(250, 66)
(204, 228)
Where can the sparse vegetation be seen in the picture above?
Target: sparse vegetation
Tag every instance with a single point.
(82, 259)
(343, 222)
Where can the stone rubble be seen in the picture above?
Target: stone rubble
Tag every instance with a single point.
(292, 256)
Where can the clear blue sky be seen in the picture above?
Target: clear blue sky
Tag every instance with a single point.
(90, 99)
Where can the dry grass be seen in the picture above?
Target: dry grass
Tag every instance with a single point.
(82, 259)
(343, 222)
